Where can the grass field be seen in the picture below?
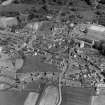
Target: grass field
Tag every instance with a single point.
(13, 98)
(17, 7)
(98, 100)
(33, 64)
(77, 96)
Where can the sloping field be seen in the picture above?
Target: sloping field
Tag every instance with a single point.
(50, 96)
(95, 32)
(77, 96)
(13, 98)
(33, 64)
(17, 7)
(31, 98)
(95, 36)
(71, 96)
(98, 100)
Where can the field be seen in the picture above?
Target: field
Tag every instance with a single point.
(12, 98)
(34, 64)
(77, 96)
(47, 36)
